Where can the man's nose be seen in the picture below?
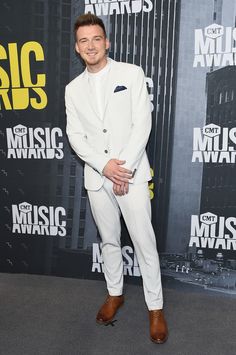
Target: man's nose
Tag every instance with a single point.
(90, 45)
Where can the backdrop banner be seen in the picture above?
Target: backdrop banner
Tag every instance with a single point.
(187, 49)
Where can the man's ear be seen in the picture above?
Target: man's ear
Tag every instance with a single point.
(76, 47)
(107, 43)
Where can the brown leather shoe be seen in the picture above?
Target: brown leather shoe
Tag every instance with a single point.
(158, 326)
(109, 309)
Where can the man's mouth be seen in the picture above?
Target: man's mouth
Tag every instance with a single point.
(91, 54)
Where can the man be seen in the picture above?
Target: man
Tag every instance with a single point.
(108, 125)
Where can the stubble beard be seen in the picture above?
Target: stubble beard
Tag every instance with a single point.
(93, 61)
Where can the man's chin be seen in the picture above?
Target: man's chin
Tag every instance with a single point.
(92, 61)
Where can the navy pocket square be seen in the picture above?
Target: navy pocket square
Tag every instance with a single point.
(120, 88)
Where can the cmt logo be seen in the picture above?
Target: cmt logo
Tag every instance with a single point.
(214, 31)
(19, 88)
(34, 143)
(214, 144)
(211, 231)
(25, 207)
(38, 220)
(208, 218)
(214, 46)
(108, 7)
(20, 130)
(211, 130)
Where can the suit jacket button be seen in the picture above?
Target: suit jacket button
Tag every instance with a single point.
(106, 151)
(105, 130)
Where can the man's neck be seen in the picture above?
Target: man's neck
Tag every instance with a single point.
(97, 67)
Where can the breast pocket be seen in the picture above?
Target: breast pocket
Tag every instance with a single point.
(121, 97)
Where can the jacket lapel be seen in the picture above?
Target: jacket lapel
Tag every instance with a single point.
(110, 85)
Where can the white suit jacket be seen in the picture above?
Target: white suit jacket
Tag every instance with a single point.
(123, 130)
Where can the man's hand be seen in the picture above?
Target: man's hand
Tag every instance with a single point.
(121, 190)
(116, 173)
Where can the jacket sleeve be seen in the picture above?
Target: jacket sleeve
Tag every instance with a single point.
(78, 139)
(141, 123)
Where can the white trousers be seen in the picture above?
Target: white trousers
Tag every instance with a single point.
(136, 210)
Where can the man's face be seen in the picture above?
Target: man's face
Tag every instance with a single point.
(91, 44)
